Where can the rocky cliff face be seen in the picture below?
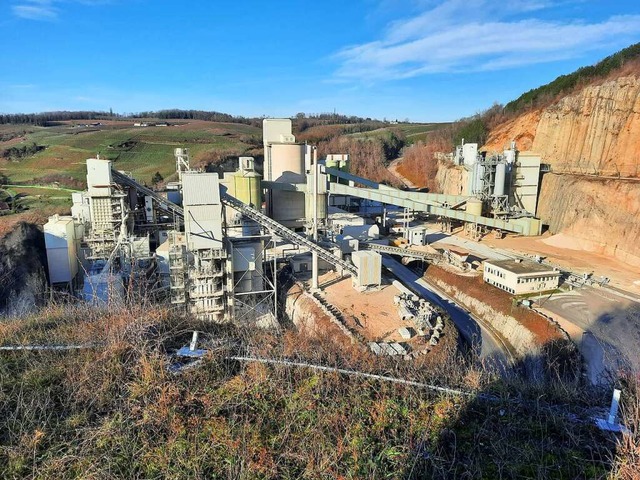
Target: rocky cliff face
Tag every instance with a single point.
(452, 179)
(597, 215)
(22, 269)
(585, 137)
(596, 130)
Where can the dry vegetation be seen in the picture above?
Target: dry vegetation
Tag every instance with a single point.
(499, 300)
(367, 157)
(115, 412)
(419, 164)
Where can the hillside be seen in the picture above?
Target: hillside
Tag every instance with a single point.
(595, 130)
(140, 150)
(590, 137)
(113, 410)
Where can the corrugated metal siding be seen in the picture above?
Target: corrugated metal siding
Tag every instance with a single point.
(200, 189)
(203, 225)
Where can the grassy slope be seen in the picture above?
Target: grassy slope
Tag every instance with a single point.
(115, 412)
(413, 132)
(151, 148)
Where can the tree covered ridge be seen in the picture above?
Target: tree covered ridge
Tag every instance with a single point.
(566, 83)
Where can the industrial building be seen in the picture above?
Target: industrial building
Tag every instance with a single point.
(505, 185)
(213, 245)
(520, 277)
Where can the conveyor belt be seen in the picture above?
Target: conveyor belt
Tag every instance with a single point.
(284, 232)
(253, 214)
(404, 252)
(162, 202)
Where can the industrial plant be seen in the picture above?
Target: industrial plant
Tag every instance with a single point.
(213, 245)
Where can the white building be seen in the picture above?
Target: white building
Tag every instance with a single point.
(520, 277)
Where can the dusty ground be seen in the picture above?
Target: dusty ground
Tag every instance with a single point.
(373, 314)
(621, 275)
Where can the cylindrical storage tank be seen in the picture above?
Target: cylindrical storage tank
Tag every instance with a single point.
(248, 189)
(474, 206)
(288, 208)
(286, 162)
(478, 183)
(322, 206)
(501, 175)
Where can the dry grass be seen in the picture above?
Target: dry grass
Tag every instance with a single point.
(115, 411)
(500, 301)
(419, 164)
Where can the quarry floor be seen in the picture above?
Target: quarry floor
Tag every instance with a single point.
(372, 313)
(559, 252)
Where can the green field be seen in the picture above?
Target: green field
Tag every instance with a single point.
(413, 132)
(139, 150)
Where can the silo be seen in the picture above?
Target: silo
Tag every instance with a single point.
(286, 165)
(247, 188)
(286, 162)
(501, 175)
(470, 152)
(474, 206)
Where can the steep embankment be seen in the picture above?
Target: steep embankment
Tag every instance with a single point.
(599, 215)
(595, 130)
(22, 269)
(587, 136)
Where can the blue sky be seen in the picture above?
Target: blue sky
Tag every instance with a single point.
(417, 59)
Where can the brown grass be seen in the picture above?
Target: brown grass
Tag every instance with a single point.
(419, 164)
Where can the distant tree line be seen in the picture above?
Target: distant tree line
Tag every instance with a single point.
(302, 120)
(45, 118)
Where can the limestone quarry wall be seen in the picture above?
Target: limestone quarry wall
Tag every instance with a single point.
(596, 130)
(599, 215)
(452, 179)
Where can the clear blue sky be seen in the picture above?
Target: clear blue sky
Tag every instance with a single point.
(417, 59)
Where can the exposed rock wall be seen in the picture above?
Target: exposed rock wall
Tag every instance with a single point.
(596, 130)
(452, 179)
(599, 215)
(22, 269)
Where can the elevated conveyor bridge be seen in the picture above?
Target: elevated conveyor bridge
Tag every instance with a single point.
(432, 203)
(404, 252)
